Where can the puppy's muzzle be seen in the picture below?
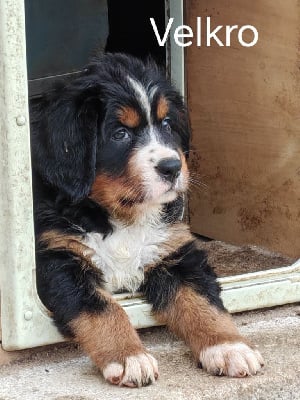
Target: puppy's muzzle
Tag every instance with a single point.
(169, 169)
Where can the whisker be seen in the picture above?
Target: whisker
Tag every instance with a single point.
(197, 181)
(199, 184)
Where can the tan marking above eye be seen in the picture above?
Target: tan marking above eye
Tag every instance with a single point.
(162, 108)
(129, 117)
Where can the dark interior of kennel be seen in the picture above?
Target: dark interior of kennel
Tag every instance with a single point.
(61, 36)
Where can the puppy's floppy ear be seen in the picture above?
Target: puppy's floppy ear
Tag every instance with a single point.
(64, 138)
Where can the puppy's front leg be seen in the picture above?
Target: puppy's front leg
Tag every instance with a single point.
(114, 346)
(73, 290)
(185, 296)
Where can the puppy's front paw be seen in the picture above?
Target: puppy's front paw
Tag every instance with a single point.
(232, 359)
(139, 370)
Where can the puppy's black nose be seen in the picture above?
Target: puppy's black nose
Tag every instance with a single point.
(169, 168)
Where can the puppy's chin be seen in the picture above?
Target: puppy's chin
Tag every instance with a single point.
(161, 194)
(166, 197)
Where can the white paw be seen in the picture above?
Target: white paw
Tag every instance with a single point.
(137, 371)
(232, 359)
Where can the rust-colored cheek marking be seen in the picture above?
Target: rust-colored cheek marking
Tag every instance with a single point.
(106, 189)
(162, 108)
(118, 195)
(129, 117)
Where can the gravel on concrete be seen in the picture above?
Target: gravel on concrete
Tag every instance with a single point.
(62, 372)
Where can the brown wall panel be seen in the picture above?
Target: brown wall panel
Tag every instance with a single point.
(245, 112)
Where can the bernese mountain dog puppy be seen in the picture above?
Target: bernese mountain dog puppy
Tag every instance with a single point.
(109, 153)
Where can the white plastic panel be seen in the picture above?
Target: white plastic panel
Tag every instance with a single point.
(20, 309)
(25, 322)
(175, 54)
(262, 289)
(239, 293)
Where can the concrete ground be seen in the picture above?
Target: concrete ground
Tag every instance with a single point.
(62, 372)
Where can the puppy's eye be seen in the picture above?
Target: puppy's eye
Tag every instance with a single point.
(165, 123)
(121, 134)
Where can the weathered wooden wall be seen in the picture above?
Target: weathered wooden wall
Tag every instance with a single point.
(245, 112)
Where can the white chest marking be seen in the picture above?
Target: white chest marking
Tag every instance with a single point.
(123, 255)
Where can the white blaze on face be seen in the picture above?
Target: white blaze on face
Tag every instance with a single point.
(142, 96)
(146, 158)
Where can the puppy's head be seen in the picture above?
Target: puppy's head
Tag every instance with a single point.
(119, 134)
